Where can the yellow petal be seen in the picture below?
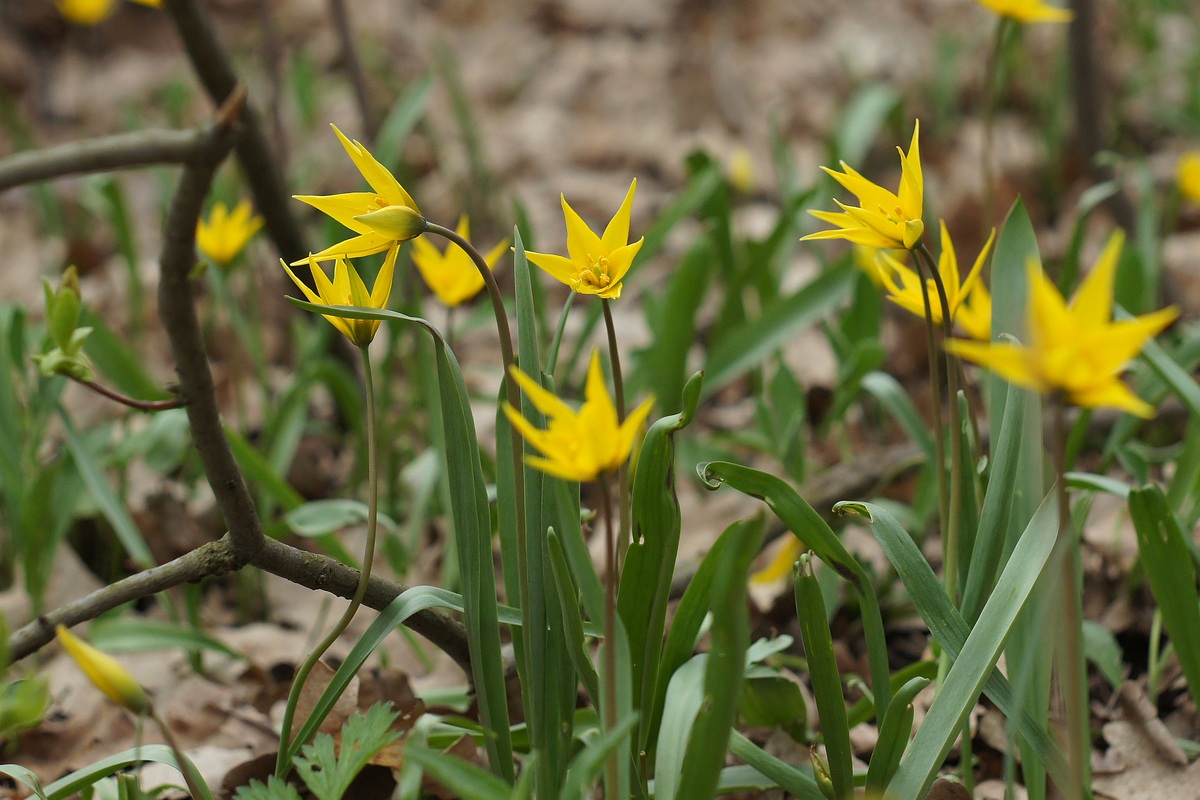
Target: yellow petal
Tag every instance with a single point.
(1009, 361)
(1113, 394)
(105, 672)
(1092, 304)
(342, 207)
(368, 244)
(559, 268)
(616, 234)
(582, 243)
(976, 270)
(382, 291)
(780, 565)
(381, 180)
(543, 400)
(912, 179)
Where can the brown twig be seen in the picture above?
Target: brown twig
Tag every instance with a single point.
(216, 74)
(132, 402)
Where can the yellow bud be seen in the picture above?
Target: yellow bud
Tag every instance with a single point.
(913, 230)
(399, 223)
(105, 672)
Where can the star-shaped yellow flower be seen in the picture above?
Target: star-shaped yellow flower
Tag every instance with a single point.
(452, 275)
(1074, 349)
(577, 445)
(882, 220)
(904, 285)
(348, 289)
(374, 236)
(597, 263)
(105, 672)
(1028, 10)
(225, 234)
(1187, 176)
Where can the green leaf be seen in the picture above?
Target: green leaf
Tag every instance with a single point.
(273, 789)
(893, 736)
(1163, 548)
(1101, 648)
(131, 634)
(973, 666)
(947, 625)
(461, 778)
(811, 529)
(80, 779)
(650, 558)
(773, 701)
(110, 505)
(724, 668)
(827, 682)
(568, 598)
(322, 517)
(586, 766)
(745, 347)
(363, 735)
(895, 400)
(26, 777)
(792, 780)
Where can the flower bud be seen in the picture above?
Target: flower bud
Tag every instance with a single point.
(108, 675)
(399, 223)
(913, 230)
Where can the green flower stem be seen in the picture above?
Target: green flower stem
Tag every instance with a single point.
(512, 394)
(939, 428)
(283, 763)
(609, 692)
(1071, 666)
(623, 488)
(954, 512)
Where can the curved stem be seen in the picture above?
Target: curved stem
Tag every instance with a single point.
(188, 770)
(939, 428)
(283, 763)
(512, 394)
(954, 511)
(140, 405)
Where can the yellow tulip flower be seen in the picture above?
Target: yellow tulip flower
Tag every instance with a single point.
(883, 220)
(451, 274)
(377, 233)
(1028, 10)
(904, 285)
(597, 263)
(1074, 349)
(780, 565)
(1187, 176)
(577, 445)
(224, 234)
(108, 675)
(348, 289)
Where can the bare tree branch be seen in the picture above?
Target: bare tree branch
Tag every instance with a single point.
(216, 74)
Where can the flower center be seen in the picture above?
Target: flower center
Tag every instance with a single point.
(594, 276)
(379, 202)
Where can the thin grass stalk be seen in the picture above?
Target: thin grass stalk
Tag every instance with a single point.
(623, 486)
(993, 83)
(283, 763)
(609, 692)
(939, 437)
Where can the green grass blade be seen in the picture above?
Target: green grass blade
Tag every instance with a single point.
(1163, 547)
(136, 635)
(807, 525)
(79, 780)
(459, 776)
(586, 766)
(110, 505)
(891, 396)
(568, 599)
(893, 737)
(827, 682)
(789, 778)
(745, 347)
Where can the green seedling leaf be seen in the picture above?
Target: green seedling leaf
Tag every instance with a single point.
(329, 775)
(273, 789)
(893, 736)
(460, 777)
(322, 517)
(79, 780)
(1171, 574)
(1101, 648)
(26, 777)
(792, 780)
(771, 700)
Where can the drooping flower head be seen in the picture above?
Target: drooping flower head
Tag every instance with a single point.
(391, 214)
(451, 274)
(1187, 177)
(1025, 11)
(1076, 349)
(224, 234)
(348, 289)
(597, 263)
(108, 675)
(882, 219)
(905, 286)
(577, 445)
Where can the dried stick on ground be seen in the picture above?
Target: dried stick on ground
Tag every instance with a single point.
(244, 542)
(257, 160)
(353, 67)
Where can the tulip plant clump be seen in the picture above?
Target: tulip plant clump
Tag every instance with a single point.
(593, 670)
